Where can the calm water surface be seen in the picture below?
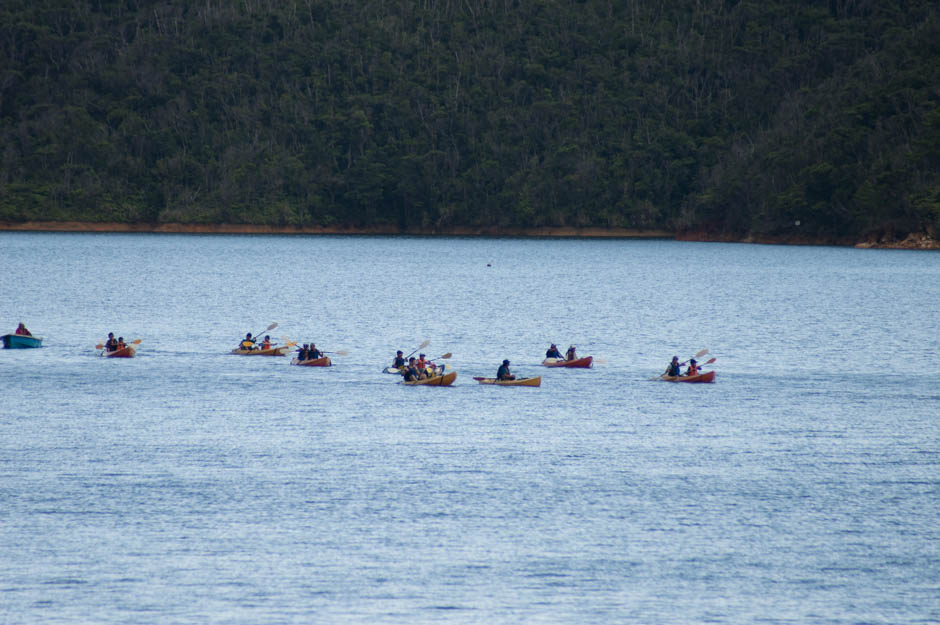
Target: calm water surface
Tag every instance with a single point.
(190, 486)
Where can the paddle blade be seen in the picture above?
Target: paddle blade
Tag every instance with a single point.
(710, 361)
(136, 342)
(271, 327)
(342, 352)
(700, 354)
(424, 344)
(444, 357)
(600, 361)
(99, 346)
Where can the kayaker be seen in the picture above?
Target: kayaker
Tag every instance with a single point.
(503, 372)
(554, 353)
(411, 371)
(673, 368)
(22, 331)
(399, 361)
(693, 368)
(422, 364)
(111, 344)
(313, 353)
(120, 344)
(571, 354)
(302, 353)
(248, 343)
(266, 343)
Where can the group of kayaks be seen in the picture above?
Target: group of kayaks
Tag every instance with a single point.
(435, 376)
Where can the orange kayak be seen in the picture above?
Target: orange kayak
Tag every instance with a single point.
(439, 380)
(708, 376)
(313, 362)
(127, 351)
(580, 363)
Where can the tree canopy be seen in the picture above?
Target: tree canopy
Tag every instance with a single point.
(730, 117)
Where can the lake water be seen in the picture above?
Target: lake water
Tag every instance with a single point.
(191, 486)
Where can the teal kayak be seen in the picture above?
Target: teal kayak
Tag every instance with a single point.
(20, 341)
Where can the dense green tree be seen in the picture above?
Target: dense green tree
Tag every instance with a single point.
(735, 118)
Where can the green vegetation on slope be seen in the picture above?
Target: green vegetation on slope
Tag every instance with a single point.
(730, 117)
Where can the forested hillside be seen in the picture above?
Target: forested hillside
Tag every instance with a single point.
(732, 118)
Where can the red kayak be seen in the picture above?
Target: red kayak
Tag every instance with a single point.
(580, 363)
(708, 376)
(125, 352)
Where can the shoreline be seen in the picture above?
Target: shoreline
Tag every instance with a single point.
(911, 242)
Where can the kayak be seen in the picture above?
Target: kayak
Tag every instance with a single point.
(313, 362)
(127, 351)
(520, 382)
(271, 351)
(439, 380)
(708, 376)
(580, 363)
(21, 341)
(397, 371)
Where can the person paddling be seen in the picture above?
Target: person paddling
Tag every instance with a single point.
(302, 353)
(572, 354)
(22, 331)
(266, 343)
(399, 362)
(111, 344)
(411, 371)
(554, 353)
(693, 368)
(313, 353)
(503, 373)
(247, 343)
(673, 368)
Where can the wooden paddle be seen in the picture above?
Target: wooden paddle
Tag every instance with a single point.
(134, 342)
(420, 347)
(268, 329)
(444, 357)
(341, 352)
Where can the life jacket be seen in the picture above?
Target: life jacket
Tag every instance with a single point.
(247, 344)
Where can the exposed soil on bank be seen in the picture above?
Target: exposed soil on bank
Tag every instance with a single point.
(76, 226)
(918, 241)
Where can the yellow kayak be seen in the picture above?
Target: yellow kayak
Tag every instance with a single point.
(520, 382)
(439, 380)
(271, 351)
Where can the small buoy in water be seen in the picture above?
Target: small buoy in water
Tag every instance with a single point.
(488, 265)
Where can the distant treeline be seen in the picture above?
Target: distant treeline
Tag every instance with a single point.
(731, 117)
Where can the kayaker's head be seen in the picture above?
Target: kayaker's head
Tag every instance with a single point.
(248, 335)
(110, 335)
(420, 355)
(411, 360)
(505, 362)
(267, 337)
(675, 359)
(692, 362)
(120, 339)
(399, 353)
